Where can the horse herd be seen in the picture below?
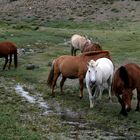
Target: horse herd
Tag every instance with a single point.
(95, 66)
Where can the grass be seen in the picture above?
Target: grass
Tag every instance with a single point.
(22, 120)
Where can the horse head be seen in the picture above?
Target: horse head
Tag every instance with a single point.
(92, 71)
(126, 98)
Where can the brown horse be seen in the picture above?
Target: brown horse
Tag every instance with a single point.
(8, 49)
(126, 79)
(92, 47)
(72, 67)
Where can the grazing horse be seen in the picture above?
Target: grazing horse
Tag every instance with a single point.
(125, 80)
(72, 67)
(92, 47)
(8, 49)
(78, 43)
(99, 77)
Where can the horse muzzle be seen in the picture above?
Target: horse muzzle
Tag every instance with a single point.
(128, 109)
(92, 83)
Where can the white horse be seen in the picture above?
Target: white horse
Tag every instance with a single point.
(99, 77)
(78, 43)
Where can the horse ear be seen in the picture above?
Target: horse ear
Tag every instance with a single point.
(88, 64)
(96, 64)
(86, 36)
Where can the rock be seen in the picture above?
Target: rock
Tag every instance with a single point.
(31, 67)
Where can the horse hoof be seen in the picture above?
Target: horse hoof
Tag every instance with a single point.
(81, 97)
(137, 109)
(53, 96)
(124, 113)
(91, 106)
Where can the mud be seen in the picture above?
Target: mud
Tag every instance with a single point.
(81, 129)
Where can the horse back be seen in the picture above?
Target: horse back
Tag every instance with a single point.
(69, 66)
(7, 47)
(78, 41)
(92, 47)
(133, 74)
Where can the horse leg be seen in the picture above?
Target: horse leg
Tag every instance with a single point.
(100, 92)
(6, 61)
(72, 50)
(81, 86)
(138, 98)
(90, 95)
(10, 61)
(109, 92)
(109, 89)
(56, 75)
(75, 52)
(95, 95)
(62, 83)
(123, 111)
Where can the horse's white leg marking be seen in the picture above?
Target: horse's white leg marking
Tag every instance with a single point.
(109, 92)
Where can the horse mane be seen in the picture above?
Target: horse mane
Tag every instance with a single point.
(94, 53)
(123, 74)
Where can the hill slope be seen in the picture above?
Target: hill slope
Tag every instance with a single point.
(74, 10)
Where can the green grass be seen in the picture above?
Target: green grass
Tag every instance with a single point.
(21, 120)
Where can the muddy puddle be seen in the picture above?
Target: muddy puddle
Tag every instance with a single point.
(80, 128)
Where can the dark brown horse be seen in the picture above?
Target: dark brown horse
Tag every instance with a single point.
(72, 67)
(92, 47)
(126, 79)
(8, 49)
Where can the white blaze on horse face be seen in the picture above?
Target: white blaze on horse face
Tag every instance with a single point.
(92, 75)
(92, 71)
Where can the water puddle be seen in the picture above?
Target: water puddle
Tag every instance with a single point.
(35, 100)
(19, 89)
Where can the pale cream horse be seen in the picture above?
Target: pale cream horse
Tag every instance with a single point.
(78, 42)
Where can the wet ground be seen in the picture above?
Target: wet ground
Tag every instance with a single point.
(80, 128)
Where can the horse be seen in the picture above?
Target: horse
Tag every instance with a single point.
(125, 80)
(72, 67)
(99, 77)
(8, 49)
(78, 42)
(92, 47)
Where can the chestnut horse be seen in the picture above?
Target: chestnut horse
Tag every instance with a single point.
(8, 49)
(125, 80)
(78, 42)
(92, 47)
(72, 67)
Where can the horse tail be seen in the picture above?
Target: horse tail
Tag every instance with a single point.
(15, 59)
(123, 74)
(50, 77)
